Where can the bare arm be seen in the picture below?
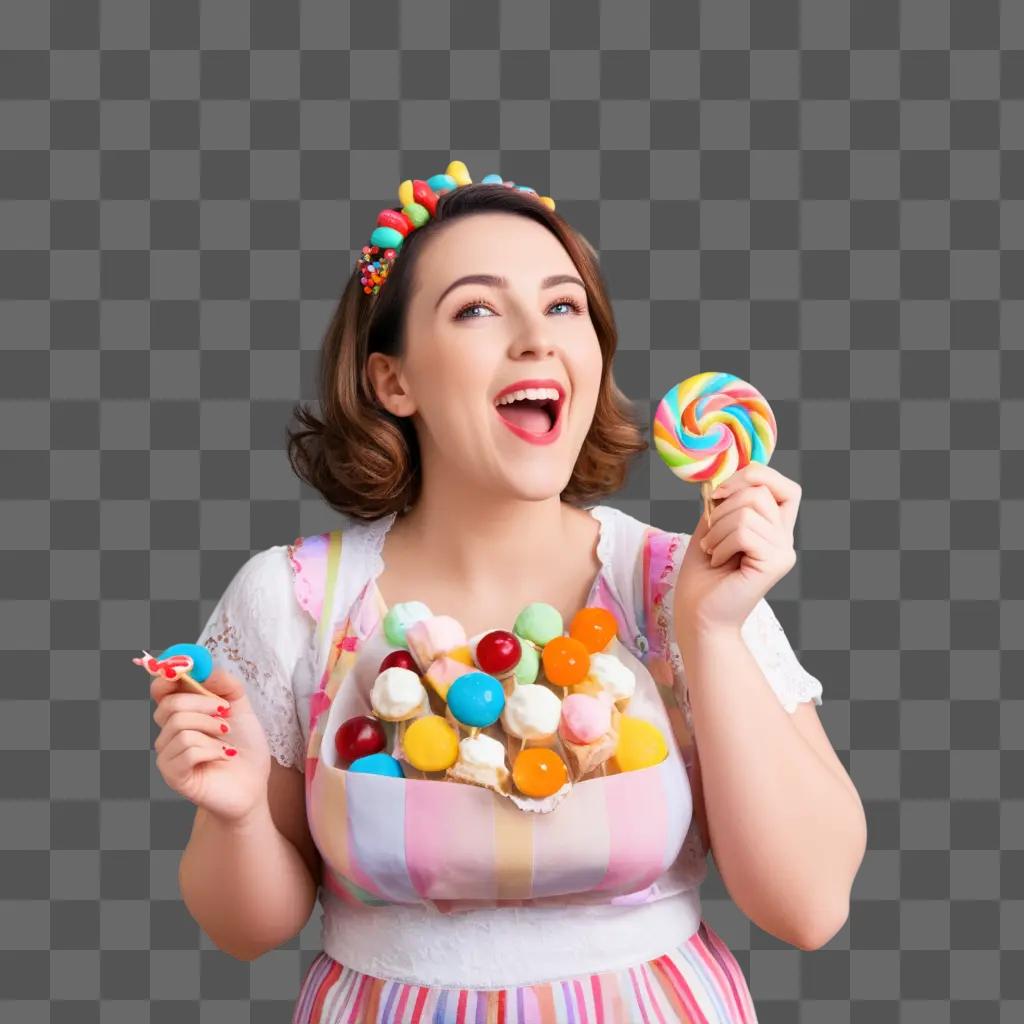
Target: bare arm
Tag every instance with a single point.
(788, 829)
(250, 884)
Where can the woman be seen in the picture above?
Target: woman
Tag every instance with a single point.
(478, 507)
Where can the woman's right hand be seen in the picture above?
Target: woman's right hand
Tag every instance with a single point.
(194, 749)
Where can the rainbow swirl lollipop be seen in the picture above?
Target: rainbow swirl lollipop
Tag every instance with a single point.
(711, 425)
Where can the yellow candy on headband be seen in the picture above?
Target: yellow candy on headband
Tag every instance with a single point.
(641, 745)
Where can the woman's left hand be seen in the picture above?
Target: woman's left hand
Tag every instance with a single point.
(750, 545)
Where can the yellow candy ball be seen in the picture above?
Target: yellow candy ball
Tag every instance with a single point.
(641, 744)
(405, 193)
(431, 744)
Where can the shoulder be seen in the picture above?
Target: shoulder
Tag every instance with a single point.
(634, 546)
(334, 563)
(307, 559)
(262, 590)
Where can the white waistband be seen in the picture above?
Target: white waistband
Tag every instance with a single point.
(505, 946)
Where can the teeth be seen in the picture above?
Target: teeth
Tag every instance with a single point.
(531, 393)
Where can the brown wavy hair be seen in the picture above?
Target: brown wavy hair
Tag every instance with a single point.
(364, 460)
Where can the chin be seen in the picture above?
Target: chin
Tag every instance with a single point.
(539, 486)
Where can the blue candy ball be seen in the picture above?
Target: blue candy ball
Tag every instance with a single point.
(377, 764)
(202, 660)
(476, 699)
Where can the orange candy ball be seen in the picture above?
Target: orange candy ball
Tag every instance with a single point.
(539, 772)
(566, 661)
(594, 628)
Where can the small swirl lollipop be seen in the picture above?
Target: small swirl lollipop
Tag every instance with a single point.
(711, 425)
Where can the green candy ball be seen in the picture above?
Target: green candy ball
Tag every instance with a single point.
(529, 664)
(400, 617)
(539, 622)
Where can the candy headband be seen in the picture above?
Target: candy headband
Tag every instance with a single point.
(419, 204)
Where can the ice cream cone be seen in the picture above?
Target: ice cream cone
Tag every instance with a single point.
(494, 779)
(481, 763)
(508, 682)
(583, 758)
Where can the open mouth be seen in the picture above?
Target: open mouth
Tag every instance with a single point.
(533, 414)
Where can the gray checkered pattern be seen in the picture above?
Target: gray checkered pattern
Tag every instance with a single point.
(825, 198)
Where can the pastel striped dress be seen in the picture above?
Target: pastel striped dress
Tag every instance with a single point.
(699, 982)
(630, 839)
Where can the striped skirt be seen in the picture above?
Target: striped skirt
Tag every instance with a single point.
(699, 982)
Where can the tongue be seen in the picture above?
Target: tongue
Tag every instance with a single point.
(529, 415)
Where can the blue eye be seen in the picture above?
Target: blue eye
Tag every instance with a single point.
(566, 301)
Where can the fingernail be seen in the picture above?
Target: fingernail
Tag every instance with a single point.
(223, 711)
(223, 726)
(230, 751)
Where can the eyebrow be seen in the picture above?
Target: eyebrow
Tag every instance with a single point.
(502, 282)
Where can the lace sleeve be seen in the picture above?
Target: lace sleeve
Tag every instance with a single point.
(258, 632)
(767, 641)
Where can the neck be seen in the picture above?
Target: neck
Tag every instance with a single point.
(482, 539)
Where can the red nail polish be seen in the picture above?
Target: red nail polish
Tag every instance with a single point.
(223, 711)
(230, 751)
(223, 727)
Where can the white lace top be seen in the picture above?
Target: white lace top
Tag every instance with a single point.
(260, 632)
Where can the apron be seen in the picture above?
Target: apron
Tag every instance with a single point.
(627, 838)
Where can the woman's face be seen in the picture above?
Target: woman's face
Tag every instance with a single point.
(469, 341)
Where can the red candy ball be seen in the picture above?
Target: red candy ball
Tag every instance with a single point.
(399, 659)
(498, 651)
(359, 737)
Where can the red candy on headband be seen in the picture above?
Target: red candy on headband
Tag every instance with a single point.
(423, 194)
(395, 219)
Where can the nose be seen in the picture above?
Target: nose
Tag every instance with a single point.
(532, 337)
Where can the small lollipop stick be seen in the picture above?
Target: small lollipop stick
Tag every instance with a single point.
(174, 669)
(473, 732)
(194, 686)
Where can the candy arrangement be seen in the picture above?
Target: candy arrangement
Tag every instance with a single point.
(525, 712)
(711, 425)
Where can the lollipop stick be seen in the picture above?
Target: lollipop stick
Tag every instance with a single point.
(473, 732)
(705, 490)
(186, 679)
(196, 687)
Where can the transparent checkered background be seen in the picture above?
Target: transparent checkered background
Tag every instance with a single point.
(826, 198)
